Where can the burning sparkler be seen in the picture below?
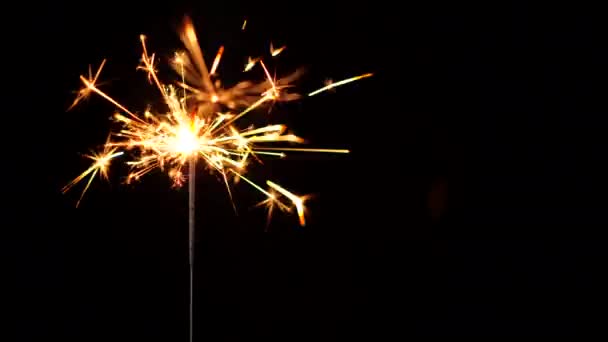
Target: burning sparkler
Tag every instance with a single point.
(194, 126)
(200, 123)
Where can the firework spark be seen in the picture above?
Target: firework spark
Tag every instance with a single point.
(101, 163)
(201, 121)
(86, 91)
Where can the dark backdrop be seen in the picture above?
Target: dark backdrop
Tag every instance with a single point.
(473, 202)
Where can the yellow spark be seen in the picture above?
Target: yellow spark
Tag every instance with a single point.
(244, 25)
(333, 85)
(101, 163)
(275, 52)
(292, 149)
(86, 90)
(250, 63)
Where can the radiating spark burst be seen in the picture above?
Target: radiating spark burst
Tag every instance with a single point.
(201, 122)
(101, 163)
(270, 203)
(86, 91)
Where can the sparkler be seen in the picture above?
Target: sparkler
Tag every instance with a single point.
(201, 123)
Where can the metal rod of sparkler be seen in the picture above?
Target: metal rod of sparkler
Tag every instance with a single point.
(191, 212)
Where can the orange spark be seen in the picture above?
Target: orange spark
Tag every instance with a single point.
(86, 90)
(275, 52)
(217, 59)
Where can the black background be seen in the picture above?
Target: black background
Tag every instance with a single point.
(473, 202)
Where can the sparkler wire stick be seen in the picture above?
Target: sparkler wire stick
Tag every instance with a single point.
(191, 224)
